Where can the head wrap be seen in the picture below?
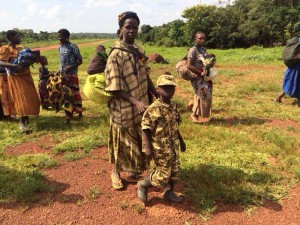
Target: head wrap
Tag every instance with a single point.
(126, 15)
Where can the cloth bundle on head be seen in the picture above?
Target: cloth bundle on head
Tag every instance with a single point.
(126, 15)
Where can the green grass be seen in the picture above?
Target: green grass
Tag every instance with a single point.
(237, 158)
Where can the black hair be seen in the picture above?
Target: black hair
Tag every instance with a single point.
(199, 32)
(10, 33)
(64, 32)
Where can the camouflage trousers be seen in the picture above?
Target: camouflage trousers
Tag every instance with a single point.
(166, 169)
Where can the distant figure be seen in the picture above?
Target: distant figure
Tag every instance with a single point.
(201, 111)
(291, 82)
(162, 141)
(20, 83)
(70, 59)
(98, 62)
(44, 75)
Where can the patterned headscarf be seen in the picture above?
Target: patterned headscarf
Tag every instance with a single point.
(125, 15)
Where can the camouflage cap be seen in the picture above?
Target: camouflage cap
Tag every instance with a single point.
(166, 80)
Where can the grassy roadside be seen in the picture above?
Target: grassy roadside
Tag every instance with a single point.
(240, 157)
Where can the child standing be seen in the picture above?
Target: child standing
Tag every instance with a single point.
(163, 140)
(44, 75)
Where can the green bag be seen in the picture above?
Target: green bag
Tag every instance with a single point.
(94, 89)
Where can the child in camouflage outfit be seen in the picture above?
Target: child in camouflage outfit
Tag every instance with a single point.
(162, 140)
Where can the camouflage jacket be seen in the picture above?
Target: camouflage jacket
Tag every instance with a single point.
(163, 120)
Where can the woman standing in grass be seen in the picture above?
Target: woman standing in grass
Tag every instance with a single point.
(7, 107)
(70, 59)
(202, 89)
(20, 83)
(127, 77)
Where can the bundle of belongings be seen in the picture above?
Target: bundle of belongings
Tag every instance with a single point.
(291, 52)
(186, 74)
(94, 89)
(211, 73)
(26, 57)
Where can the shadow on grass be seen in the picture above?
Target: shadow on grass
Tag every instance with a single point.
(56, 123)
(231, 121)
(214, 189)
(31, 189)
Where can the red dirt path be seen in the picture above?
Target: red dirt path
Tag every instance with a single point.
(71, 203)
(56, 46)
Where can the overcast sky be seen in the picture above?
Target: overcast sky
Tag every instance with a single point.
(87, 15)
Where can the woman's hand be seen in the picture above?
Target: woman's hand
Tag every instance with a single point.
(202, 71)
(141, 106)
(68, 69)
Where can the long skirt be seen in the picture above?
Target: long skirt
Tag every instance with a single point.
(202, 98)
(5, 97)
(291, 81)
(64, 93)
(24, 94)
(125, 148)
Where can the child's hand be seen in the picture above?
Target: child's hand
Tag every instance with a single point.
(182, 146)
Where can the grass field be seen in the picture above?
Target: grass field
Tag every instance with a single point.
(248, 153)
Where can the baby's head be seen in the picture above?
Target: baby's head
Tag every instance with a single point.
(166, 86)
(43, 60)
(212, 57)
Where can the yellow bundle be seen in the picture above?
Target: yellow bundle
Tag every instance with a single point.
(94, 89)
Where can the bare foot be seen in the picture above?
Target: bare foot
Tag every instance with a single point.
(277, 100)
(194, 118)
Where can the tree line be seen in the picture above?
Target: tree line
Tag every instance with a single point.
(28, 36)
(243, 23)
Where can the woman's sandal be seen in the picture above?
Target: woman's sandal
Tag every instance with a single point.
(116, 182)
